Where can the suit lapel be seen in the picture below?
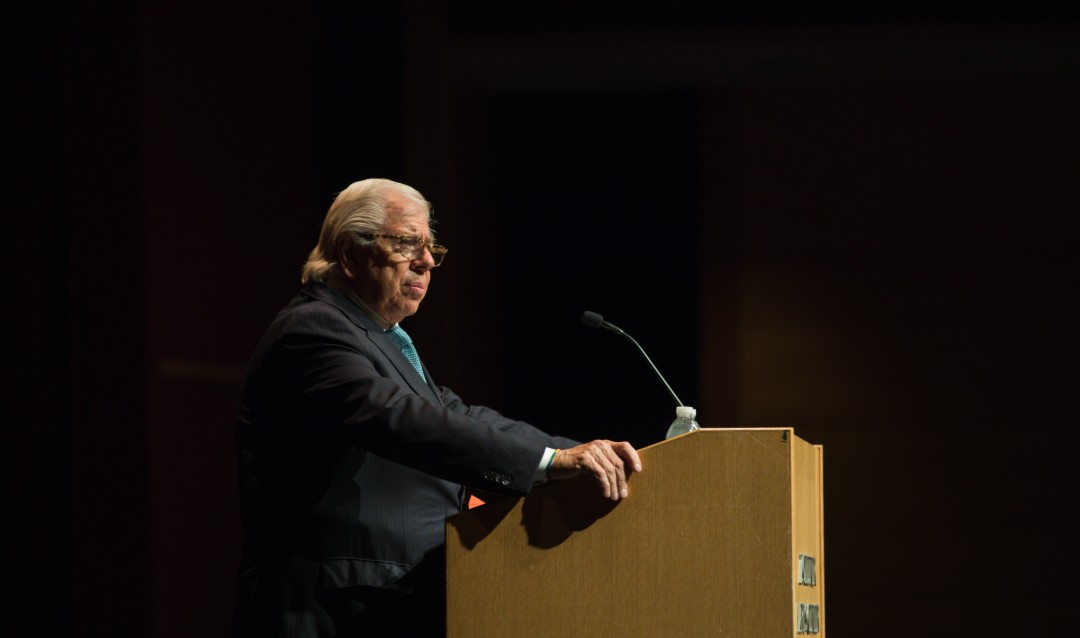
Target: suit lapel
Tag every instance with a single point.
(396, 357)
(391, 352)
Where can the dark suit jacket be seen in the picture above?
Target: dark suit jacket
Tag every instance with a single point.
(350, 462)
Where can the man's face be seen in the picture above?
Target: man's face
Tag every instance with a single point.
(390, 283)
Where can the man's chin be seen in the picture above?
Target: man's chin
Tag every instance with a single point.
(409, 308)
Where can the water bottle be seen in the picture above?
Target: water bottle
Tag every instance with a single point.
(684, 421)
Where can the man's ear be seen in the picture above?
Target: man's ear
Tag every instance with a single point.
(346, 261)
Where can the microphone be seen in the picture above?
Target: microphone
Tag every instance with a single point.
(594, 320)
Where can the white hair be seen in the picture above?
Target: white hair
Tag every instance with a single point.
(360, 208)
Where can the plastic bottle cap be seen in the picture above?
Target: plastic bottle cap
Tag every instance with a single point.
(685, 411)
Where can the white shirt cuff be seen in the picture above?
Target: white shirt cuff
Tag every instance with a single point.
(542, 470)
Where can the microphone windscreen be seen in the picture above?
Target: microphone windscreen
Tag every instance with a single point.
(592, 319)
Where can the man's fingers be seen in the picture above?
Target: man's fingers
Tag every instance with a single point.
(619, 456)
(606, 466)
(609, 462)
(614, 474)
(614, 466)
(596, 462)
(628, 454)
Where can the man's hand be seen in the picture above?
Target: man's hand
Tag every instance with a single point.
(609, 462)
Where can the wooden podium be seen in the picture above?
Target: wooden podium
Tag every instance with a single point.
(721, 536)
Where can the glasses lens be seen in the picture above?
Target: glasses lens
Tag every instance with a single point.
(437, 253)
(409, 247)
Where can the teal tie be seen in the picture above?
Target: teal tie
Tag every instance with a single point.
(407, 348)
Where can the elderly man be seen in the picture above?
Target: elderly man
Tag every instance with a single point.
(351, 457)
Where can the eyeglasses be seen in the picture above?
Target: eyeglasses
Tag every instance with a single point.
(411, 247)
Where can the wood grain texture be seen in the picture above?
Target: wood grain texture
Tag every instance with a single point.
(706, 545)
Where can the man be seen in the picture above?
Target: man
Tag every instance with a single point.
(351, 457)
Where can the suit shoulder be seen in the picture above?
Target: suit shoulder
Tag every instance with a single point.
(310, 313)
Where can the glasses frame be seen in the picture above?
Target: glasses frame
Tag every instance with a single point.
(438, 253)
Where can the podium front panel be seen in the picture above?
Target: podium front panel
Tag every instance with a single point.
(704, 545)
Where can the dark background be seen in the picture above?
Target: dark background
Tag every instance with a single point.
(855, 222)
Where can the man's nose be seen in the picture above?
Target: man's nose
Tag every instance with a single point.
(424, 262)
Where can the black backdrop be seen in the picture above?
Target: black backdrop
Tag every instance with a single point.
(858, 224)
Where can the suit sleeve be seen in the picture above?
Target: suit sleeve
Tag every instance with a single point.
(334, 386)
(510, 426)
